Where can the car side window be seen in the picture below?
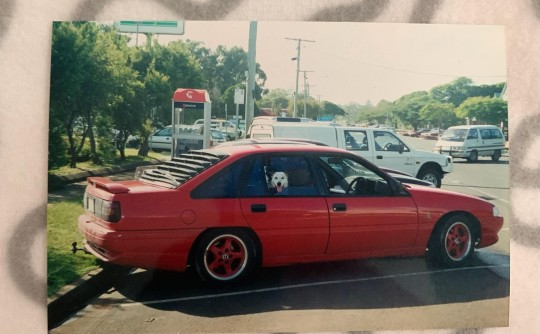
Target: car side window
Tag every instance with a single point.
(495, 133)
(386, 141)
(165, 132)
(473, 134)
(485, 133)
(281, 175)
(226, 183)
(356, 140)
(345, 176)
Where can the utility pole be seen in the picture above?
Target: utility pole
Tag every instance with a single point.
(305, 90)
(299, 40)
(250, 87)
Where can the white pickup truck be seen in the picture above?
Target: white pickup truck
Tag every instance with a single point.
(381, 147)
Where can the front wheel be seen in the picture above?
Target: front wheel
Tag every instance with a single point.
(452, 243)
(225, 256)
(431, 175)
(473, 157)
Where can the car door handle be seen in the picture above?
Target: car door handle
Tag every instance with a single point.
(258, 207)
(339, 207)
(379, 157)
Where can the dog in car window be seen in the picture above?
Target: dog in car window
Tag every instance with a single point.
(279, 182)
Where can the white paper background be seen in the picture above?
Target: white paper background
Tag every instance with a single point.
(25, 36)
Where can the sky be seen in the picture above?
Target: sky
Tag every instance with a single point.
(361, 62)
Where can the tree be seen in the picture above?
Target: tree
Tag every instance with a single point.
(454, 92)
(276, 99)
(440, 114)
(329, 108)
(407, 108)
(70, 63)
(487, 110)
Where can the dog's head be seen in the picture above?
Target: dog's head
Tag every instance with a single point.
(279, 181)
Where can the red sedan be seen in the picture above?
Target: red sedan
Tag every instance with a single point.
(227, 210)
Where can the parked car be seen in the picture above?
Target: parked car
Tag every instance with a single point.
(415, 133)
(431, 134)
(225, 211)
(161, 140)
(472, 141)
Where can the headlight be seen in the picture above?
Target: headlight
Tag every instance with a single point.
(496, 212)
(457, 148)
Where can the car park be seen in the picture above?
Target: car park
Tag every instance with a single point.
(225, 211)
(161, 140)
(226, 127)
(431, 134)
(472, 141)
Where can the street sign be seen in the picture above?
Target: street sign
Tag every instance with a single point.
(239, 96)
(153, 27)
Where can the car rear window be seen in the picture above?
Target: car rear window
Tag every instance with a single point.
(182, 168)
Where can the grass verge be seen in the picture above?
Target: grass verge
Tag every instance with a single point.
(63, 210)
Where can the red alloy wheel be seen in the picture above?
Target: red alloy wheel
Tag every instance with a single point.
(458, 241)
(225, 257)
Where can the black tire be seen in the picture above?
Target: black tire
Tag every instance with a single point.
(496, 155)
(473, 157)
(452, 242)
(225, 256)
(431, 175)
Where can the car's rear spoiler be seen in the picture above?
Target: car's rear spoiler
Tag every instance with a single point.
(108, 184)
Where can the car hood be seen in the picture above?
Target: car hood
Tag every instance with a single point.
(446, 200)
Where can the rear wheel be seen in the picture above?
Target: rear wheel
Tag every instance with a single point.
(225, 256)
(452, 243)
(496, 155)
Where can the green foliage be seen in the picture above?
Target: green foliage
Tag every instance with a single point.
(57, 145)
(407, 108)
(454, 92)
(486, 110)
(439, 114)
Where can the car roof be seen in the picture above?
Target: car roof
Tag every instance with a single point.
(277, 146)
(473, 126)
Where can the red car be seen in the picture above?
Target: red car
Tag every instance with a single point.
(227, 210)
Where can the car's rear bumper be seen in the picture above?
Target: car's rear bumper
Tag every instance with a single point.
(167, 250)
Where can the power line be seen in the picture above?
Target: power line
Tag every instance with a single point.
(390, 68)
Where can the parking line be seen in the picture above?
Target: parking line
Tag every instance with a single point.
(297, 286)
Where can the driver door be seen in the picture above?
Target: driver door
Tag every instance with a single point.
(392, 153)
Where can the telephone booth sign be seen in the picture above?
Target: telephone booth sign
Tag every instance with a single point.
(188, 137)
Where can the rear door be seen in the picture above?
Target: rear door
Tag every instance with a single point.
(292, 224)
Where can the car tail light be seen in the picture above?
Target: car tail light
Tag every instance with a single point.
(103, 209)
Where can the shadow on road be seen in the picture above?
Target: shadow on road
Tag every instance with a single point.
(371, 284)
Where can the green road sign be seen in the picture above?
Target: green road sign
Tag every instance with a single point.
(153, 27)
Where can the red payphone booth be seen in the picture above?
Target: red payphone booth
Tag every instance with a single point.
(186, 137)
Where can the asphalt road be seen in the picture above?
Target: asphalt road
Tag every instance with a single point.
(344, 296)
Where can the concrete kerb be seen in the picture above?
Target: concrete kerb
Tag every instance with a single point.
(73, 297)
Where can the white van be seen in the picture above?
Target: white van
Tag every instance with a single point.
(380, 146)
(472, 141)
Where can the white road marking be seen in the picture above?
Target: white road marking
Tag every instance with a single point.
(297, 286)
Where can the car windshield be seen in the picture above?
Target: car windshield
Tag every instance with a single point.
(454, 135)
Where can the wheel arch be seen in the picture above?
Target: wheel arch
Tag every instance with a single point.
(430, 165)
(249, 231)
(476, 227)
